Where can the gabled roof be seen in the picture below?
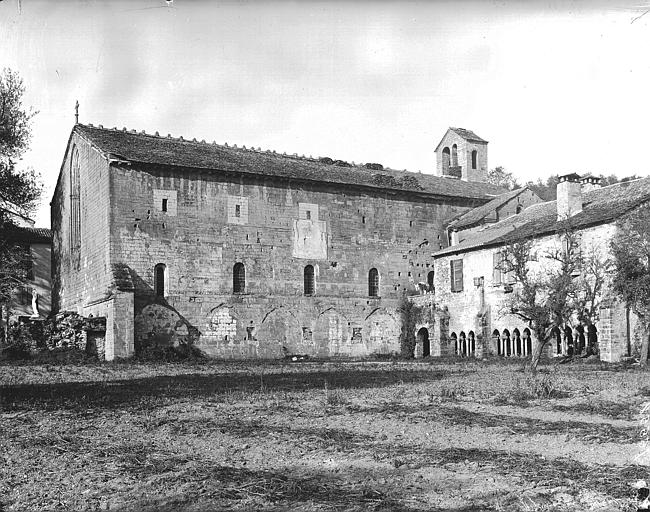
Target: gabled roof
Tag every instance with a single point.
(468, 135)
(27, 234)
(600, 206)
(141, 148)
(478, 214)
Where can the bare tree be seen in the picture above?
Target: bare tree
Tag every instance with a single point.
(564, 290)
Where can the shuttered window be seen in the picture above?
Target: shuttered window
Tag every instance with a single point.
(456, 275)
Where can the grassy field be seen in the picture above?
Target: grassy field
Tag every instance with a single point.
(443, 435)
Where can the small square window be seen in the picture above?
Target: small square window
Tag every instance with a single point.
(237, 210)
(163, 207)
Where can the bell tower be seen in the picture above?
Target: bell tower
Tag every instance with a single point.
(462, 154)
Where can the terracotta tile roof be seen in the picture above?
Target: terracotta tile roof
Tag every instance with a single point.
(600, 206)
(25, 234)
(476, 215)
(152, 149)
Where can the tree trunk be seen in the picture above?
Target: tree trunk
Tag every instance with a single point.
(643, 359)
(537, 354)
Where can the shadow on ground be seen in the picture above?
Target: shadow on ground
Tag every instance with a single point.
(142, 391)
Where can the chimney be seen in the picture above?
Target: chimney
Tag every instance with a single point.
(590, 183)
(569, 196)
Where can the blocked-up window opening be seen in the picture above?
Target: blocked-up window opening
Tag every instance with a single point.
(307, 334)
(474, 155)
(356, 334)
(454, 340)
(373, 283)
(159, 280)
(237, 210)
(308, 214)
(238, 278)
(497, 338)
(456, 269)
(250, 333)
(309, 282)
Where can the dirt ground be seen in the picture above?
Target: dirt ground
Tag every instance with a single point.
(433, 435)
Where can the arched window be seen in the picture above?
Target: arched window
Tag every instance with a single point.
(159, 281)
(474, 155)
(462, 344)
(445, 160)
(454, 155)
(309, 280)
(75, 208)
(454, 341)
(373, 283)
(497, 338)
(430, 277)
(471, 342)
(519, 208)
(238, 278)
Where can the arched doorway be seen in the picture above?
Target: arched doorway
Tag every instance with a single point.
(528, 343)
(592, 340)
(423, 339)
(507, 349)
(517, 342)
(497, 339)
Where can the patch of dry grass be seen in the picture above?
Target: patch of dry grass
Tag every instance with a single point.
(316, 436)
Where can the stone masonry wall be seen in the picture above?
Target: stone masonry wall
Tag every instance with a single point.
(275, 230)
(464, 308)
(72, 287)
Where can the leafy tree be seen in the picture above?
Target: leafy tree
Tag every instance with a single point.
(631, 276)
(502, 178)
(555, 289)
(19, 189)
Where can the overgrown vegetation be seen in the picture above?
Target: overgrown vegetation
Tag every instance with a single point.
(20, 189)
(631, 275)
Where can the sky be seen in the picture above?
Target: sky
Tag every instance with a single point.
(554, 86)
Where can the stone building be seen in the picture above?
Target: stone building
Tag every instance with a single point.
(471, 287)
(36, 292)
(462, 154)
(247, 253)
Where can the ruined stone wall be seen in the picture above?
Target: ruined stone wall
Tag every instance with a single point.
(81, 276)
(209, 222)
